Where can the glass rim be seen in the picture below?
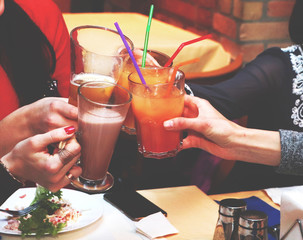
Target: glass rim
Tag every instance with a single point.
(105, 104)
(100, 28)
(157, 84)
(158, 52)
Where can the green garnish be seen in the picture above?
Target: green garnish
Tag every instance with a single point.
(38, 223)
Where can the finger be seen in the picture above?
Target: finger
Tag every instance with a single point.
(54, 136)
(74, 172)
(195, 141)
(70, 153)
(64, 109)
(65, 156)
(57, 170)
(181, 123)
(190, 108)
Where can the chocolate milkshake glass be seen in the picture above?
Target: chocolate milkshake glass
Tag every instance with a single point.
(102, 109)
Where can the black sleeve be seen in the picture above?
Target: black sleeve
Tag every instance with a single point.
(291, 152)
(8, 185)
(248, 88)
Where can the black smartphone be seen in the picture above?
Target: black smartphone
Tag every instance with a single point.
(132, 204)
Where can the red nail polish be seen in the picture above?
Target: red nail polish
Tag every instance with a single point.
(70, 129)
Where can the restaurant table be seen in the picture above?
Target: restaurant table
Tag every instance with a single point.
(190, 210)
(163, 37)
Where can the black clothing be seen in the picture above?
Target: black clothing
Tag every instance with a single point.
(268, 90)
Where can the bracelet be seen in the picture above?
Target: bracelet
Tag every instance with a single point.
(10, 174)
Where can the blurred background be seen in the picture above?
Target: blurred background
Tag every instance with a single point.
(241, 26)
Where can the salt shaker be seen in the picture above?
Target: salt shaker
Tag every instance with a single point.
(253, 225)
(227, 225)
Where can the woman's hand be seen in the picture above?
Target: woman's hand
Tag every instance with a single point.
(39, 117)
(211, 131)
(207, 128)
(30, 159)
(50, 113)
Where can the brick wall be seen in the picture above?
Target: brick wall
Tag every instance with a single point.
(247, 26)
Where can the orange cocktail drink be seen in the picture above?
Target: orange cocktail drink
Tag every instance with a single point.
(94, 93)
(128, 67)
(160, 100)
(96, 55)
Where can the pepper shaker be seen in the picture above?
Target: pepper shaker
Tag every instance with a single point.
(227, 224)
(253, 225)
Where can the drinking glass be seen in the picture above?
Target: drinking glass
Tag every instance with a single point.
(102, 107)
(129, 123)
(161, 99)
(96, 55)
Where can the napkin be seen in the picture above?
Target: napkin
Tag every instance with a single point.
(155, 225)
(291, 210)
(276, 193)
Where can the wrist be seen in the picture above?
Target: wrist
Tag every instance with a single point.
(28, 122)
(5, 166)
(259, 146)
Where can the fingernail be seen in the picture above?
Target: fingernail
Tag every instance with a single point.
(168, 124)
(70, 129)
(69, 176)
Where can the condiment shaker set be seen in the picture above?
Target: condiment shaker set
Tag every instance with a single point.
(237, 223)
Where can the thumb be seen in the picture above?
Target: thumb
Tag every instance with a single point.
(180, 123)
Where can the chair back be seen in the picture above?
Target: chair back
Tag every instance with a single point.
(218, 75)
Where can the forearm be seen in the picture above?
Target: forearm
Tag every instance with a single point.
(13, 128)
(8, 184)
(257, 146)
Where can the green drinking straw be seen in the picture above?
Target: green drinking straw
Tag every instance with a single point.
(147, 34)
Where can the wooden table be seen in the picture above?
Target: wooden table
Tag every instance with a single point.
(190, 210)
(163, 37)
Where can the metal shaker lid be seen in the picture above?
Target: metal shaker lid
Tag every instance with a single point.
(253, 219)
(231, 206)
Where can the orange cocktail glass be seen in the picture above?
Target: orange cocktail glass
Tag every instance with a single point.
(94, 93)
(128, 68)
(160, 100)
(96, 55)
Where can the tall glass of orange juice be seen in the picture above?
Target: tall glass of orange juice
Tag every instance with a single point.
(161, 99)
(96, 55)
(161, 59)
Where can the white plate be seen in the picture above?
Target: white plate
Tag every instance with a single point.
(90, 207)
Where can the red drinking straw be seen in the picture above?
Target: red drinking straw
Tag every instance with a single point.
(183, 45)
(173, 75)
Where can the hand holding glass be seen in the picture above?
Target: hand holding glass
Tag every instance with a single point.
(160, 100)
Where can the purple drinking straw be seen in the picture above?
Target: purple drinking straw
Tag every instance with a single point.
(130, 52)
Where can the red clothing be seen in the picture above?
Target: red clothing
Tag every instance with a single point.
(49, 19)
